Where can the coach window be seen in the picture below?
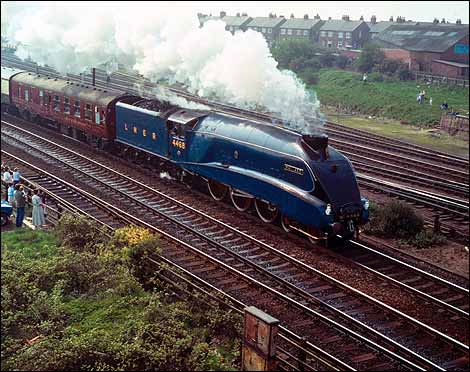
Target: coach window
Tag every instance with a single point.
(19, 91)
(126, 128)
(66, 106)
(26, 94)
(56, 103)
(41, 97)
(144, 132)
(135, 130)
(88, 111)
(76, 109)
(103, 117)
(154, 136)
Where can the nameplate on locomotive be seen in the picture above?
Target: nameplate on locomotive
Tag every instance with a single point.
(292, 169)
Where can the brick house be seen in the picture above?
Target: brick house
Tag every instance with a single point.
(340, 34)
(232, 23)
(270, 26)
(440, 49)
(301, 27)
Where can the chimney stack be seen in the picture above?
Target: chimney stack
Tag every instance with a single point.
(222, 14)
(459, 21)
(317, 16)
(238, 14)
(373, 19)
(361, 18)
(345, 18)
(305, 16)
(391, 19)
(93, 73)
(292, 15)
(329, 18)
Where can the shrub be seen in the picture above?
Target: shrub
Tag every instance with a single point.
(425, 239)
(404, 73)
(309, 76)
(79, 233)
(396, 220)
(376, 76)
(342, 62)
(389, 66)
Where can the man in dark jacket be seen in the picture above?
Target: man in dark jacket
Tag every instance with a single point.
(20, 202)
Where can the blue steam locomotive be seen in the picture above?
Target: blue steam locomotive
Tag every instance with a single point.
(298, 178)
(310, 185)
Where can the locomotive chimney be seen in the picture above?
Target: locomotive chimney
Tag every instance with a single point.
(93, 72)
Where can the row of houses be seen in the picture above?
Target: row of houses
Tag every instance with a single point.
(439, 48)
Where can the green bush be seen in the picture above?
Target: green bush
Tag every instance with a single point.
(85, 311)
(396, 220)
(425, 239)
(376, 76)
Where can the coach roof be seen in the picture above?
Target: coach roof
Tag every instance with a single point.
(67, 88)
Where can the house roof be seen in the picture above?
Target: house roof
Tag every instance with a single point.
(340, 25)
(422, 38)
(383, 25)
(236, 21)
(266, 22)
(450, 63)
(301, 23)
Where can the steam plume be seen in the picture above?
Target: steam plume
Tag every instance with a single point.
(162, 43)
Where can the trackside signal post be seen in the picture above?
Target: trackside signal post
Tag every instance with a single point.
(259, 347)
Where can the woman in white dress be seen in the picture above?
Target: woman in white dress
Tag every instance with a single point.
(38, 211)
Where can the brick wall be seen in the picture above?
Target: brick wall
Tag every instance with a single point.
(398, 54)
(449, 71)
(449, 54)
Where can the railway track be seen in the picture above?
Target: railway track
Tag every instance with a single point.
(280, 272)
(77, 201)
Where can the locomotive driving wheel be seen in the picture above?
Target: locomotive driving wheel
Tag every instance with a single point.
(240, 200)
(286, 223)
(266, 211)
(217, 190)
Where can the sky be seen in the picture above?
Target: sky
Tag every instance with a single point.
(412, 10)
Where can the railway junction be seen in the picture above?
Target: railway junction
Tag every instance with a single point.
(362, 306)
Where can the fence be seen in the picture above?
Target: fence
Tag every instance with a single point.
(454, 124)
(439, 79)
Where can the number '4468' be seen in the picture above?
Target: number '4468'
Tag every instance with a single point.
(179, 144)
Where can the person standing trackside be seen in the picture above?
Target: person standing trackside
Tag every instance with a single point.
(16, 176)
(7, 178)
(20, 201)
(38, 210)
(364, 77)
(11, 194)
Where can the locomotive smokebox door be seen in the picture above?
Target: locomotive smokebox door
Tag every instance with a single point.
(259, 340)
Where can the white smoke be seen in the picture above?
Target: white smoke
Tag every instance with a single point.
(166, 95)
(163, 43)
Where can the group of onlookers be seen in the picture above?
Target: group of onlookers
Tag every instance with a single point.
(17, 197)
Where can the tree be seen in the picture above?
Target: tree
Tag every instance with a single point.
(371, 55)
(297, 50)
